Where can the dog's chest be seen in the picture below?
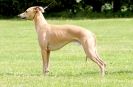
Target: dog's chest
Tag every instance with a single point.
(56, 45)
(51, 42)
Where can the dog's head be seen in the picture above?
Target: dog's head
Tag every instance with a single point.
(31, 12)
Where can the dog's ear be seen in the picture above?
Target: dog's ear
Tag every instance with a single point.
(39, 8)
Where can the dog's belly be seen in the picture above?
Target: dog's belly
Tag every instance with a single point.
(56, 46)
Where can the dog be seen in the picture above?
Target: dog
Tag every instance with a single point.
(53, 37)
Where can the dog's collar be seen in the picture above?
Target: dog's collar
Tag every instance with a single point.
(34, 15)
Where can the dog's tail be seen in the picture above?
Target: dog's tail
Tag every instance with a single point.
(77, 42)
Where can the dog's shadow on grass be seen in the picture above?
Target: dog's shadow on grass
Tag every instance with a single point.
(93, 73)
(80, 74)
(121, 72)
(18, 74)
(52, 74)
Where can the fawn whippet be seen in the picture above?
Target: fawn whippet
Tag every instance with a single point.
(53, 37)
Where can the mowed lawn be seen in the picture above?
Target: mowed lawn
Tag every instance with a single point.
(21, 62)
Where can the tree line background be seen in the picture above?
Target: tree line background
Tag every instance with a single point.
(71, 8)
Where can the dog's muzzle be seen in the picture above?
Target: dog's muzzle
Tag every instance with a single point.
(21, 16)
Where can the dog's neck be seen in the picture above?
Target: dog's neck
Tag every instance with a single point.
(39, 20)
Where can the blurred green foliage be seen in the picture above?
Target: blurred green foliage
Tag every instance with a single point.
(70, 8)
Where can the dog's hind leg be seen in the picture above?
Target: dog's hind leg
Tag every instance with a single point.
(99, 58)
(94, 57)
(90, 50)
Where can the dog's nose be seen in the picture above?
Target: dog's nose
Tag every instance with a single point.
(18, 15)
(21, 16)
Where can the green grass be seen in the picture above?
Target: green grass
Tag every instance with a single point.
(21, 65)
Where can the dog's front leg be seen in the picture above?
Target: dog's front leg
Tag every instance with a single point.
(45, 59)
